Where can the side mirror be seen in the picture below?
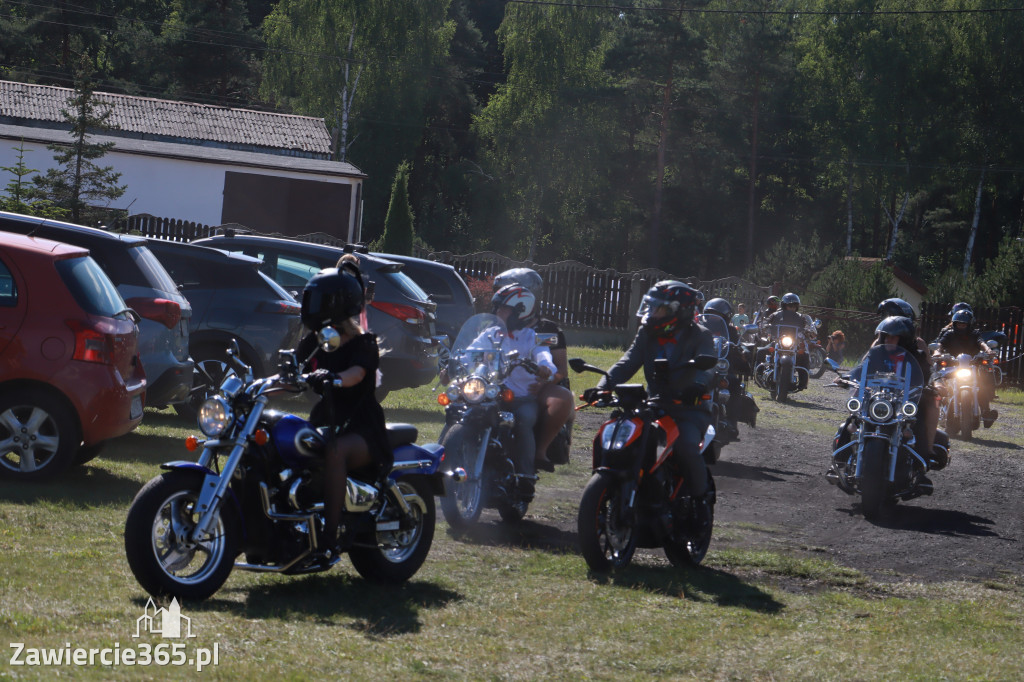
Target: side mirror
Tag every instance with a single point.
(817, 324)
(329, 339)
(933, 347)
(579, 365)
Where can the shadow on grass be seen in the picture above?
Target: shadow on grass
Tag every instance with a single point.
(696, 584)
(526, 534)
(149, 449)
(79, 488)
(936, 521)
(989, 443)
(377, 610)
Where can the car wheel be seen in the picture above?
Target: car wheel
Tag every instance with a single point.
(39, 435)
(210, 367)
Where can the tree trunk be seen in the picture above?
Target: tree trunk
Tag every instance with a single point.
(654, 246)
(849, 211)
(752, 190)
(974, 225)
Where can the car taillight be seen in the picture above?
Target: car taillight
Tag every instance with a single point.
(406, 313)
(167, 313)
(280, 308)
(90, 344)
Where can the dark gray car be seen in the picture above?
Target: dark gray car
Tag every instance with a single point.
(444, 285)
(401, 314)
(231, 299)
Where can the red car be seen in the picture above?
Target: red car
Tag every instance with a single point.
(70, 375)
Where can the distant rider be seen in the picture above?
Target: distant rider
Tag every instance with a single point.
(789, 316)
(962, 337)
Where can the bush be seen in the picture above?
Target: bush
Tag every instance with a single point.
(482, 290)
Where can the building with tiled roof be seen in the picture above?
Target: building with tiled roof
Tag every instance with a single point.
(197, 162)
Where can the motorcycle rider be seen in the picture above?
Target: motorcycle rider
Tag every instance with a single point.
(771, 306)
(738, 365)
(962, 337)
(927, 423)
(957, 307)
(668, 330)
(346, 379)
(555, 398)
(789, 315)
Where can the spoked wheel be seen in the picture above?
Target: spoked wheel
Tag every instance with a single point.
(39, 435)
(817, 364)
(400, 545)
(157, 539)
(464, 501)
(607, 540)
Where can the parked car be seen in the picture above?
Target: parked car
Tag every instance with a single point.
(401, 314)
(444, 285)
(70, 374)
(145, 286)
(231, 299)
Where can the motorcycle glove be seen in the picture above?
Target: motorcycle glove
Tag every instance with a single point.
(595, 395)
(320, 380)
(691, 395)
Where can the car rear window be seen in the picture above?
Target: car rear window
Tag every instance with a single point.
(155, 273)
(406, 285)
(90, 286)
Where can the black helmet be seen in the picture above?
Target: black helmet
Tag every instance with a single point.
(963, 316)
(720, 307)
(521, 300)
(679, 298)
(900, 326)
(962, 305)
(330, 297)
(897, 307)
(791, 299)
(524, 277)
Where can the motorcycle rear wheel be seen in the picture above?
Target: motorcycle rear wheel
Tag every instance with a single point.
(693, 551)
(462, 505)
(605, 542)
(164, 562)
(816, 358)
(394, 556)
(873, 481)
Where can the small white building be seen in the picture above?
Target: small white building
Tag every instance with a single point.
(196, 162)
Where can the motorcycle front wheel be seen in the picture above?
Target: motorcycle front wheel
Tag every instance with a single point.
(394, 555)
(607, 540)
(156, 539)
(967, 420)
(462, 505)
(873, 481)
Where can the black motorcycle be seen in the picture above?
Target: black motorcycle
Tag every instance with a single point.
(778, 372)
(479, 424)
(637, 495)
(874, 453)
(728, 409)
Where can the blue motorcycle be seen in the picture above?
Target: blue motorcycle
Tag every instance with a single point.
(258, 490)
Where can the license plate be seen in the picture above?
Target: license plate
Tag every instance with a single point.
(136, 409)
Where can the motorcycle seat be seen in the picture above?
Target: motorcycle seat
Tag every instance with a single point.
(401, 434)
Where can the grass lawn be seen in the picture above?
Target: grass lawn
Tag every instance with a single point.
(482, 610)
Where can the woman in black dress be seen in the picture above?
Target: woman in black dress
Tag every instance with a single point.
(346, 379)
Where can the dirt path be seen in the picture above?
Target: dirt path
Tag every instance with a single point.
(773, 495)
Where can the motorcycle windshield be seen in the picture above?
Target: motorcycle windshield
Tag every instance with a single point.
(892, 368)
(778, 331)
(720, 329)
(479, 343)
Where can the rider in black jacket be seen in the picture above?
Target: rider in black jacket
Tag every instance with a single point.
(790, 316)
(962, 337)
(668, 330)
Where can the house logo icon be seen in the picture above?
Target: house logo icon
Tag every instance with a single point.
(168, 623)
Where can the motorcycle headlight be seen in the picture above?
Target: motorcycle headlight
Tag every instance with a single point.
(614, 436)
(215, 417)
(963, 374)
(787, 341)
(909, 409)
(853, 405)
(880, 410)
(473, 389)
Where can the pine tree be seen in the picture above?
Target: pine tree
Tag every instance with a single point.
(78, 184)
(398, 228)
(18, 194)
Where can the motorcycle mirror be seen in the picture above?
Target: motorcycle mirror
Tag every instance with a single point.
(933, 347)
(817, 323)
(329, 339)
(579, 365)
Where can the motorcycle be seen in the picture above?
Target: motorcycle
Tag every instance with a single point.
(873, 452)
(957, 383)
(818, 360)
(257, 488)
(778, 373)
(479, 426)
(726, 423)
(636, 496)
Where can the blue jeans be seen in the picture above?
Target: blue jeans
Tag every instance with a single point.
(525, 449)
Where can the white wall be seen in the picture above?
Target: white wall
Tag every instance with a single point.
(163, 186)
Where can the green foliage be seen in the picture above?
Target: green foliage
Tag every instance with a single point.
(398, 224)
(850, 285)
(78, 184)
(17, 199)
(791, 264)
